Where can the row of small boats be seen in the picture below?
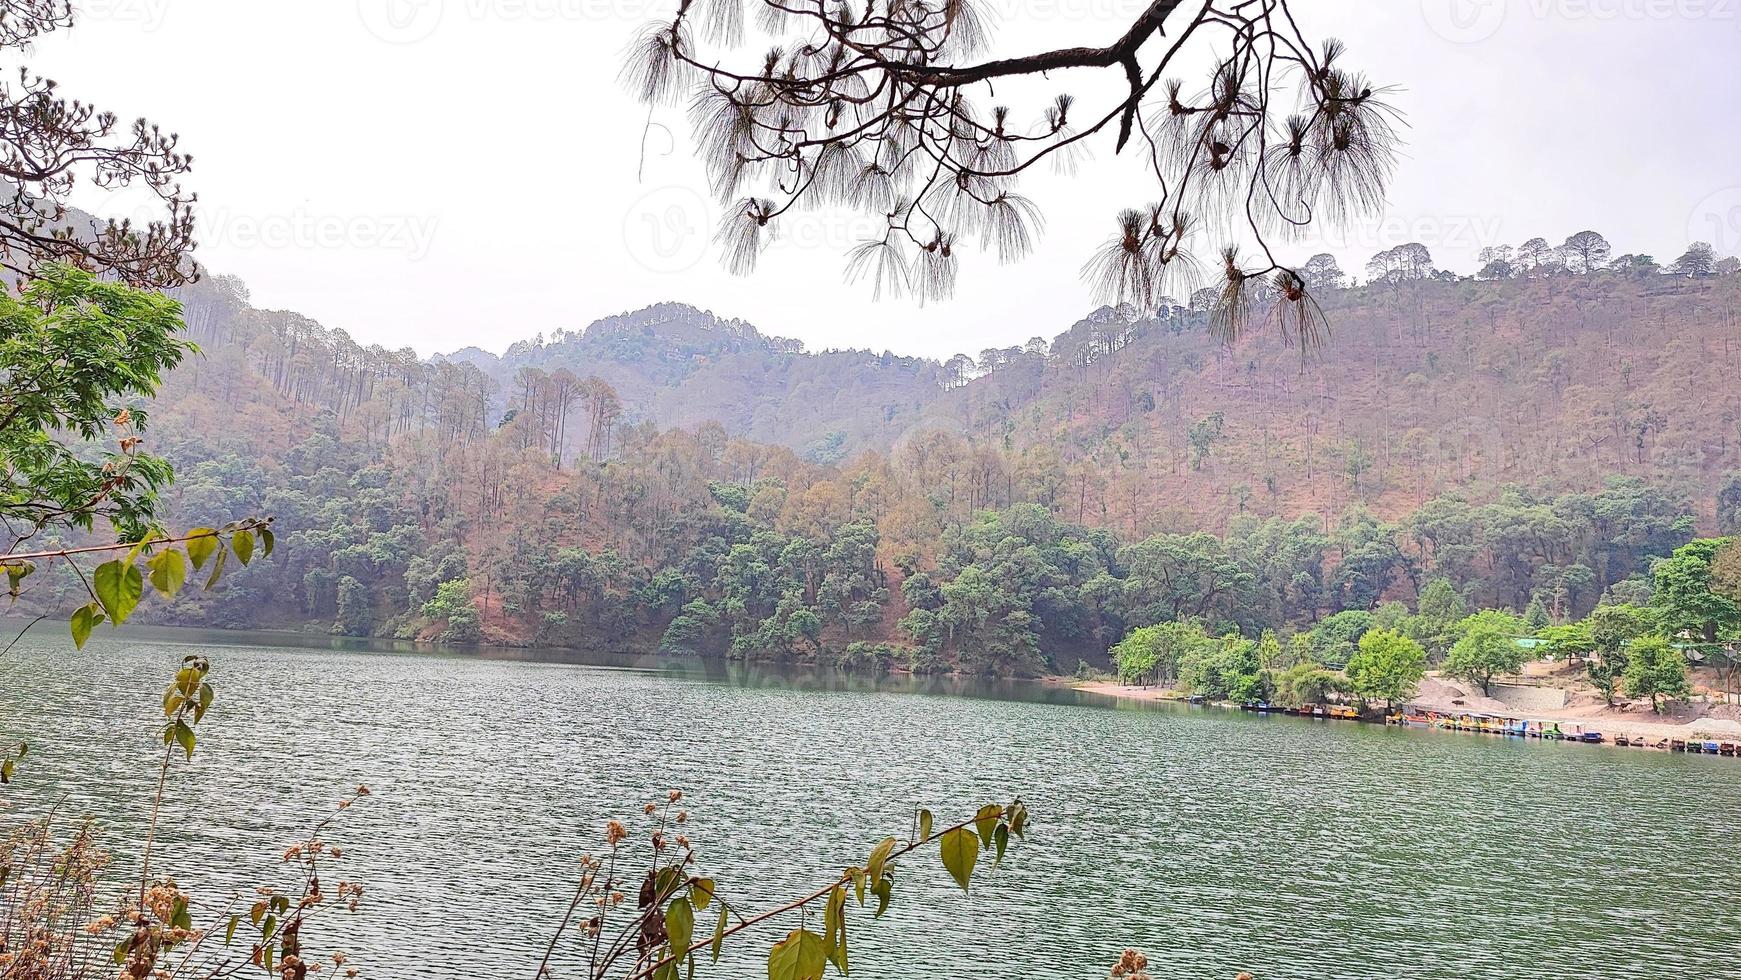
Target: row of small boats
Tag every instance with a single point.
(1486, 724)
(1340, 712)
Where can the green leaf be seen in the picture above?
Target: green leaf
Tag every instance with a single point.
(1018, 818)
(701, 893)
(266, 542)
(15, 575)
(960, 850)
(718, 934)
(217, 569)
(119, 586)
(168, 572)
(1001, 838)
(800, 956)
(6, 771)
(667, 881)
(985, 821)
(184, 737)
(858, 876)
(230, 930)
(680, 926)
(925, 820)
(831, 915)
(883, 890)
(242, 543)
(835, 939)
(879, 856)
(85, 619)
(138, 548)
(201, 543)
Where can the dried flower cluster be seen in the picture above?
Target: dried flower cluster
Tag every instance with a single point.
(63, 916)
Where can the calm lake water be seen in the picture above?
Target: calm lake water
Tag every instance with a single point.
(1213, 840)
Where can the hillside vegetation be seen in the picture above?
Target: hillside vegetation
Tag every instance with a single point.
(1534, 443)
(1425, 387)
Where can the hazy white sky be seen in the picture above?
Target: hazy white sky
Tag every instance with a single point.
(438, 173)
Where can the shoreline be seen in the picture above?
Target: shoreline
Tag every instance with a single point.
(1610, 723)
(1437, 695)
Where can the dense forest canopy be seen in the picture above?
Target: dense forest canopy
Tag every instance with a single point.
(1019, 511)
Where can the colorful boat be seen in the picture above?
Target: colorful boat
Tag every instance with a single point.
(1591, 738)
(1677, 745)
(1712, 748)
(1344, 712)
(1728, 749)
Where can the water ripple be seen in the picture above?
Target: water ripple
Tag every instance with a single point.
(1215, 841)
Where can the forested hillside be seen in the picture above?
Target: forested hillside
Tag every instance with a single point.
(1533, 442)
(1424, 387)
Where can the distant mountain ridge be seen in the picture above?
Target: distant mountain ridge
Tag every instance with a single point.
(1424, 387)
(675, 365)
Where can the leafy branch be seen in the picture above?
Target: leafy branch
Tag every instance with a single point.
(661, 931)
(117, 586)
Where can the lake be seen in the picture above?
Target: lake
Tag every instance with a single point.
(1213, 840)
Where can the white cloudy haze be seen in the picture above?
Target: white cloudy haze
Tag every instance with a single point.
(441, 173)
